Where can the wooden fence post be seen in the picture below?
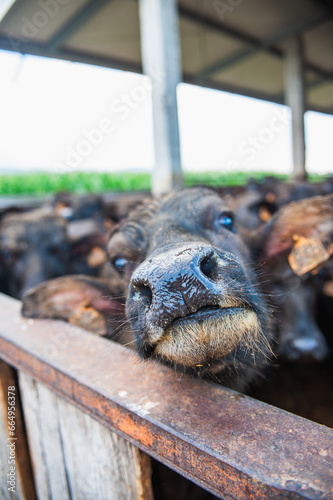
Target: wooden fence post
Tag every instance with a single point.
(17, 444)
(74, 456)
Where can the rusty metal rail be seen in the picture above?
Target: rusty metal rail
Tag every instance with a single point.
(231, 445)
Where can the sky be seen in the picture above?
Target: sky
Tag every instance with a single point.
(62, 116)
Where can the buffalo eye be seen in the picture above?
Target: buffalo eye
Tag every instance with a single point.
(225, 219)
(120, 264)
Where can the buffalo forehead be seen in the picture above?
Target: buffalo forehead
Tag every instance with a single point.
(180, 216)
(187, 212)
(196, 204)
(194, 220)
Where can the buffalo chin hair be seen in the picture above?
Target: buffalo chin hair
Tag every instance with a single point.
(191, 344)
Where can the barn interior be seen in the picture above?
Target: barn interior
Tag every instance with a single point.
(277, 51)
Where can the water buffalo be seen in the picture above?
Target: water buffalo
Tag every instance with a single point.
(194, 296)
(39, 245)
(193, 299)
(296, 330)
(33, 248)
(77, 207)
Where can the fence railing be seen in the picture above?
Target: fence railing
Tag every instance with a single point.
(94, 413)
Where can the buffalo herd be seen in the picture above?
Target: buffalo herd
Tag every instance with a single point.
(234, 284)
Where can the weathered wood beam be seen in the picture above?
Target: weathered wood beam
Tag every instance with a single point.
(74, 456)
(16, 478)
(231, 445)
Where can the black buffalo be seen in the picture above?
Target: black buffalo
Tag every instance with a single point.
(195, 286)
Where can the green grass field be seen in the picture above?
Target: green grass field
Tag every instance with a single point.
(82, 182)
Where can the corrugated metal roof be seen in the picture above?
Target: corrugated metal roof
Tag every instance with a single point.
(233, 45)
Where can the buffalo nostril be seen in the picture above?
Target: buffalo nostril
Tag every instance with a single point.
(144, 292)
(207, 265)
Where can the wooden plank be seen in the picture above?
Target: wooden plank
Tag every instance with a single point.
(21, 475)
(229, 444)
(75, 456)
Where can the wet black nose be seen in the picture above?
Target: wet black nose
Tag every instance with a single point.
(308, 347)
(180, 269)
(178, 282)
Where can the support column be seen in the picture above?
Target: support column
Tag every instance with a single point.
(160, 49)
(295, 98)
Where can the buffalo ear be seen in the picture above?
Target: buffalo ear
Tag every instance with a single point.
(301, 231)
(81, 300)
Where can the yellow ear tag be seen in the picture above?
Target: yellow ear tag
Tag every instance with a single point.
(307, 254)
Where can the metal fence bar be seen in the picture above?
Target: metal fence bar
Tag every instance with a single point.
(229, 444)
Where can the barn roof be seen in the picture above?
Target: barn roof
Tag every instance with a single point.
(232, 45)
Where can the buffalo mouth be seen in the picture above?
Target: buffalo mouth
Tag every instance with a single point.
(204, 313)
(211, 333)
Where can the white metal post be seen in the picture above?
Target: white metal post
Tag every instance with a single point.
(160, 49)
(295, 98)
